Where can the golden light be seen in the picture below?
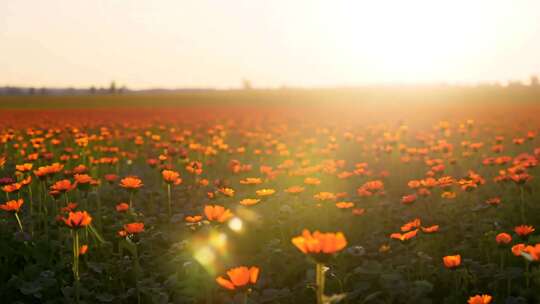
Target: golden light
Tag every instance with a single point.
(207, 250)
(236, 224)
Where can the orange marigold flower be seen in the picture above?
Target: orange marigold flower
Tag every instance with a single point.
(452, 261)
(111, 178)
(12, 188)
(131, 183)
(319, 244)
(239, 277)
(493, 201)
(12, 206)
(405, 236)
(413, 184)
(411, 225)
(448, 195)
(134, 228)
(358, 211)
(78, 219)
(323, 196)
(430, 229)
(516, 249)
(217, 213)
(251, 181)
(24, 167)
(480, 299)
(193, 219)
(294, 190)
(312, 181)
(265, 192)
(69, 207)
(531, 253)
(83, 249)
(524, 230)
(64, 185)
(195, 167)
(408, 199)
(503, 238)
(171, 177)
(83, 179)
(344, 205)
(249, 201)
(122, 207)
(227, 191)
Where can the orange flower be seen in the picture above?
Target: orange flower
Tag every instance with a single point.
(24, 167)
(323, 196)
(408, 199)
(83, 249)
(171, 177)
(358, 211)
(448, 195)
(111, 178)
(430, 229)
(294, 190)
(134, 228)
(524, 230)
(320, 245)
(84, 179)
(405, 236)
(78, 219)
(64, 185)
(411, 225)
(12, 188)
(503, 238)
(344, 205)
(217, 213)
(195, 167)
(480, 299)
(122, 207)
(239, 277)
(193, 219)
(131, 183)
(13, 205)
(493, 201)
(251, 181)
(517, 249)
(531, 253)
(249, 201)
(227, 192)
(265, 192)
(452, 261)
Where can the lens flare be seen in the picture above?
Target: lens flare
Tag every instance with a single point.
(236, 224)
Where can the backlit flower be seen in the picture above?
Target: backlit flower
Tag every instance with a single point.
(239, 278)
(452, 261)
(216, 213)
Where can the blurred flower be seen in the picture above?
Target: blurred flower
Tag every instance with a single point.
(480, 299)
(78, 219)
(239, 278)
(452, 261)
(216, 213)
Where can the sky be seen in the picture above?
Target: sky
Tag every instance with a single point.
(204, 43)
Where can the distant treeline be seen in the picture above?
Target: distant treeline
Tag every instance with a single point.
(533, 86)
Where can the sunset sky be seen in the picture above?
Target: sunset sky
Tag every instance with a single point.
(203, 43)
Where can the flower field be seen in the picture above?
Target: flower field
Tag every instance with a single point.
(274, 202)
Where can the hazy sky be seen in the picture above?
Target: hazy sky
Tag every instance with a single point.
(202, 43)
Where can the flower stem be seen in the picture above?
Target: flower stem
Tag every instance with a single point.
(244, 297)
(131, 200)
(19, 221)
(76, 264)
(319, 279)
(169, 199)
